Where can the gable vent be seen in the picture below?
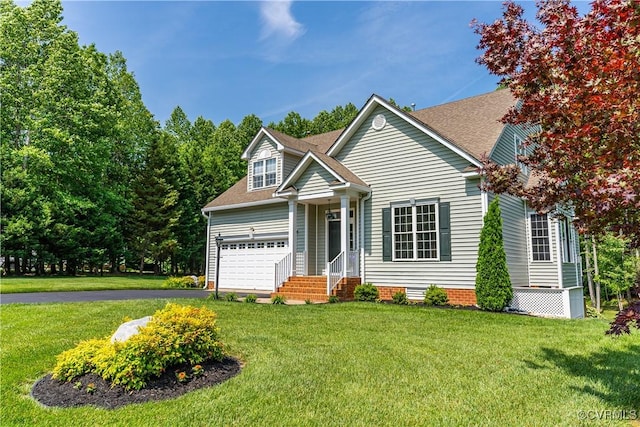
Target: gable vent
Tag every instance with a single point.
(379, 121)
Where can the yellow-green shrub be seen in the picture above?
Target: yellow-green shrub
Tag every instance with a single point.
(78, 360)
(175, 334)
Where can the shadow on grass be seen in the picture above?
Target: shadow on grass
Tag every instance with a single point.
(611, 375)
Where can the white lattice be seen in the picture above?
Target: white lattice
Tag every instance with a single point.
(540, 301)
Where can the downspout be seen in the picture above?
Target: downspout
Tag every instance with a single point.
(206, 250)
(362, 269)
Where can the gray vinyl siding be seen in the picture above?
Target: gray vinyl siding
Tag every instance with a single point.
(300, 228)
(543, 273)
(236, 223)
(569, 275)
(504, 152)
(514, 234)
(266, 143)
(289, 163)
(314, 180)
(400, 162)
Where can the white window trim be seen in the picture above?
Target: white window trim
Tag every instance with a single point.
(519, 150)
(567, 241)
(530, 238)
(413, 203)
(264, 173)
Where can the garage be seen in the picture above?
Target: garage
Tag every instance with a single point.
(250, 264)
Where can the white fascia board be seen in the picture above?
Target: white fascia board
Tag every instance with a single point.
(285, 193)
(242, 205)
(473, 174)
(350, 185)
(293, 151)
(262, 132)
(373, 102)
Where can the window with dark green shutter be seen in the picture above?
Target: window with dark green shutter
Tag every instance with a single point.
(387, 243)
(416, 230)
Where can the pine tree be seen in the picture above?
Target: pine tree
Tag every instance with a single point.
(493, 285)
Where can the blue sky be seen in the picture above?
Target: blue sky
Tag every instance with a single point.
(225, 60)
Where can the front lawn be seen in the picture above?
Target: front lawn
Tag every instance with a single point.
(355, 364)
(11, 285)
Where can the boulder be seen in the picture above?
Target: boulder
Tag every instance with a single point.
(128, 329)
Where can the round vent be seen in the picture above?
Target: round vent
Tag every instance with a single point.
(379, 121)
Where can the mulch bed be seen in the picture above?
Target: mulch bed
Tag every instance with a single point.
(50, 392)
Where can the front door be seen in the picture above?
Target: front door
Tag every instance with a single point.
(334, 239)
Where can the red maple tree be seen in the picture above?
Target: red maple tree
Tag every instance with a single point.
(578, 79)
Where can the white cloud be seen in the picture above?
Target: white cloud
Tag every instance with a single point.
(278, 20)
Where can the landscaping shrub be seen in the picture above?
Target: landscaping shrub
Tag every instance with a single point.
(175, 335)
(278, 300)
(366, 292)
(333, 299)
(400, 298)
(435, 296)
(231, 296)
(251, 298)
(180, 282)
(78, 360)
(493, 284)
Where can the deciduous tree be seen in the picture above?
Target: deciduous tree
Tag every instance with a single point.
(578, 79)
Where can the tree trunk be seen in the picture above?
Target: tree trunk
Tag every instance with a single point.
(596, 271)
(587, 257)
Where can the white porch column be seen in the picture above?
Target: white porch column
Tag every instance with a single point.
(344, 231)
(293, 221)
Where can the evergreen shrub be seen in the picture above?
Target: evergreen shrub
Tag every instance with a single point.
(493, 284)
(435, 296)
(366, 292)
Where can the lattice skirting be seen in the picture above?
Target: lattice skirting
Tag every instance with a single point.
(556, 302)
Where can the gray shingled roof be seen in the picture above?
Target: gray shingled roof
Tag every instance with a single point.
(473, 124)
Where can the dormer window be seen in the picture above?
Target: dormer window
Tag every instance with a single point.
(264, 173)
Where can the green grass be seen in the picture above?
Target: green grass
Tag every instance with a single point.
(11, 285)
(352, 364)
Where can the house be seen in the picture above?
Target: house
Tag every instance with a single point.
(394, 200)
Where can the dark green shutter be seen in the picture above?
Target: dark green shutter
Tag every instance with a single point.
(387, 244)
(445, 232)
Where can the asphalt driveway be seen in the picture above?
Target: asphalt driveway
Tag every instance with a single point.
(45, 297)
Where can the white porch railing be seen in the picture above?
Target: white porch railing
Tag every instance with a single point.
(334, 272)
(283, 271)
(301, 264)
(335, 269)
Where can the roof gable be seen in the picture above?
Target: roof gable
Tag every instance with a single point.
(469, 127)
(283, 143)
(340, 172)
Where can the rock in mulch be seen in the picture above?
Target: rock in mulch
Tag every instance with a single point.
(91, 389)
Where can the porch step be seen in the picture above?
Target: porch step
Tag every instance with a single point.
(314, 288)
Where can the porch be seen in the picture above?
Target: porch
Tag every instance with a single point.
(324, 249)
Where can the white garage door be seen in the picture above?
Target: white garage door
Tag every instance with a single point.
(250, 265)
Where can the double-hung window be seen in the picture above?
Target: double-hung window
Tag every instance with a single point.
(415, 231)
(566, 240)
(540, 239)
(264, 173)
